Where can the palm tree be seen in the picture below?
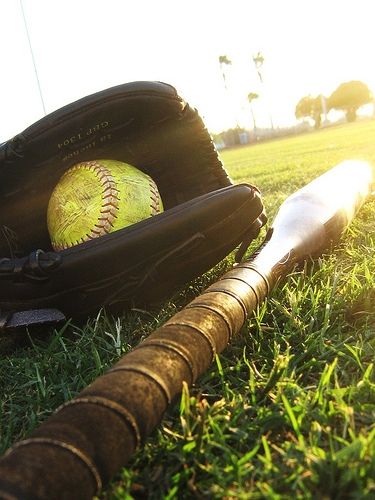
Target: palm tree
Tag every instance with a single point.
(258, 60)
(224, 61)
(250, 97)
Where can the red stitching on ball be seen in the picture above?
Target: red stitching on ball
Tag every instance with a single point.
(154, 198)
(110, 199)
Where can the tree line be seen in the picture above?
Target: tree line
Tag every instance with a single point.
(348, 97)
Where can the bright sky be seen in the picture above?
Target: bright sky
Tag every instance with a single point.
(82, 46)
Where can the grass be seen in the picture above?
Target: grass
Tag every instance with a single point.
(288, 410)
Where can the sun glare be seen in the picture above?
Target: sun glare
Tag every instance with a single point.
(307, 49)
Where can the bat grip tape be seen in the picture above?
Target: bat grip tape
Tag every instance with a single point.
(84, 459)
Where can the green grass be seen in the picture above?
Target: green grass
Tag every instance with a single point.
(288, 410)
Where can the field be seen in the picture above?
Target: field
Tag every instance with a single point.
(288, 410)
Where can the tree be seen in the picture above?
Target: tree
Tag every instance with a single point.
(250, 97)
(310, 107)
(224, 62)
(349, 97)
(258, 60)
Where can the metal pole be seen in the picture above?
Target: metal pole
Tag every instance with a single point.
(33, 58)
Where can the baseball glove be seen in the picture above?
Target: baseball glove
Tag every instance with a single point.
(148, 125)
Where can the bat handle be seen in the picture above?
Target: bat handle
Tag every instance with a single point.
(215, 316)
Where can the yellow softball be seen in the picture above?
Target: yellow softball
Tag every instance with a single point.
(94, 198)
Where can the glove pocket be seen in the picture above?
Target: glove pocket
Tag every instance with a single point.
(145, 124)
(145, 263)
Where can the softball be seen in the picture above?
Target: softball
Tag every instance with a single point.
(94, 198)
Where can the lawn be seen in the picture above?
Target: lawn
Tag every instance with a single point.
(288, 409)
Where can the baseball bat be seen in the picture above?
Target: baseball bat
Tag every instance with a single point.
(88, 439)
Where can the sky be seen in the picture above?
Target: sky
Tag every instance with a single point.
(79, 47)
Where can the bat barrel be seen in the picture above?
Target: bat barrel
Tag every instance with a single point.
(313, 218)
